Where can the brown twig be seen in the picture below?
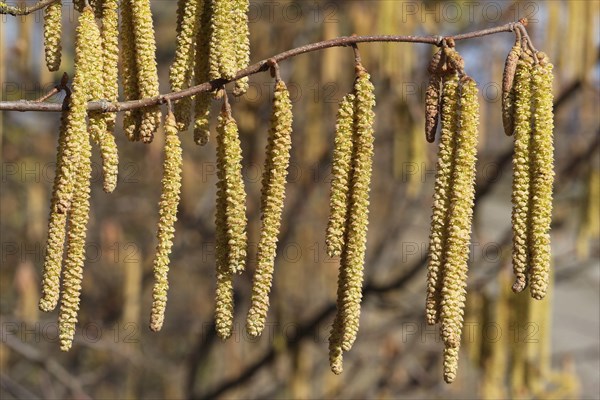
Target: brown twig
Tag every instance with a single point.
(15, 11)
(261, 66)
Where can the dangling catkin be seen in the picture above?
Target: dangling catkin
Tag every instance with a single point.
(441, 198)
(52, 32)
(273, 195)
(508, 96)
(242, 42)
(521, 173)
(145, 53)
(87, 37)
(335, 345)
(110, 51)
(169, 200)
(459, 224)
(432, 97)
(353, 257)
(182, 67)
(129, 72)
(542, 177)
(201, 74)
(223, 43)
(341, 171)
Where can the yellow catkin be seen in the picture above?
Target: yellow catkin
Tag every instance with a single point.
(508, 96)
(52, 32)
(335, 346)
(542, 177)
(521, 174)
(441, 198)
(110, 50)
(231, 241)
(182, 67)
(459, 222)
(167, 210)
(353, 256)
(87, 36)
(341, 171)
(242, 42)
(129, 72)
(273, 195)
(56, 230)
(201, 74)
(223, 45)
(145, 53)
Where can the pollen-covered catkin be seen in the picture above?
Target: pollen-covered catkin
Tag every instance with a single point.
(453, 293)
(441, 198)
(182, 67)
(353, 257)
(542, 177)
(110, 50)
(169, 200)
(52, 32)
(145, 53)
(273, 195)
(79, 209)
(508, 96)
(341, 171)
(521, 173)
(132, 118)
(223, 46)
(242, 7)
(201, 74)
(335, 346)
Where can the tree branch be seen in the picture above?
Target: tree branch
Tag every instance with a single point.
(261, 66)
(15, 11)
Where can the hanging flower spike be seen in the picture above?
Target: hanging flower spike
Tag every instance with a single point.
(542, 176)
(110, 50)
(223, 47)
(145, 52)
(52, 32)
(433, 96)
(341, 171)
(508, 95)
(335, 346)
(460, 220)
(183, 64)
(521, 173)
(129, 72)
(242, 7)
(201, 74)
(169, 201)
(441, 197)
(273, 195)
(88, 36)
(362, 164)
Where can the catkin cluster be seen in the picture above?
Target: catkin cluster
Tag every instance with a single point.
(452, 208)
(533, 173)
(356, 210)
(277, 159)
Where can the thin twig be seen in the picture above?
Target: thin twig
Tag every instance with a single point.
(15, 11)
(261, 66)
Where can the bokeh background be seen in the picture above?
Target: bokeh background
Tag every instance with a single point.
(513, 347)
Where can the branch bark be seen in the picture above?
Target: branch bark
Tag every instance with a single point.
(261, 66)
(15, 11)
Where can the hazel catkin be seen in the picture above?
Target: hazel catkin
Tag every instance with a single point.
(129, 72)
(433, 96)
(441, 197)
(242, 42)
(169, 200)
(542, 177)
(341, 171)
(508, 96)
(52, 32)
(273, 195)
(223, 47)
(201, 74)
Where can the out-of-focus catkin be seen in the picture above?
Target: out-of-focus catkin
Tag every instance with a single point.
(145, 54)
(441, 198)
(87, 36)
(508, 96)
(52, 32)
(542, 177)
(521, 173)
(354, 255)
(169, 200)
(201, 74)
(453, 293)
(183, 65)
(129, 71)
(341, 171)
(273, 195)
